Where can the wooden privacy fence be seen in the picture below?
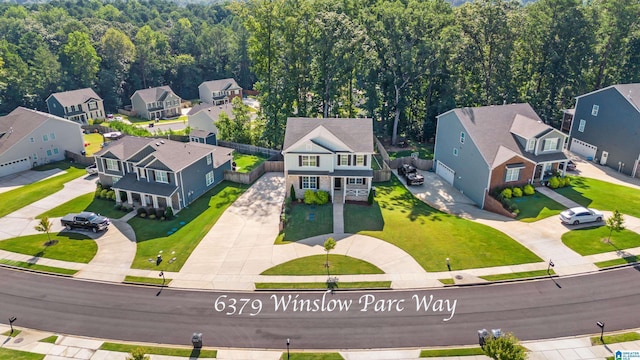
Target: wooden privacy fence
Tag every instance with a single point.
(250, 177)
(249, 149)
(79, 158)
(421, 164)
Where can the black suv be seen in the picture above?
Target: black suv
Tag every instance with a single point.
(411, 174)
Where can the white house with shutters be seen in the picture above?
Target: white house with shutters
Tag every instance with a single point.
(332, 154)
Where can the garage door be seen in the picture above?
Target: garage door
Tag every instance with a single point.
(583, 149)
(445, 172)
(12, 167)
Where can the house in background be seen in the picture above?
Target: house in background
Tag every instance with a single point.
(333, 155)
(161, 173)
(30, 138)
(606, 128)
(156, 103)
(76, 105)
(204, 116)
(217, 92)
(203, 137)
(492, 147)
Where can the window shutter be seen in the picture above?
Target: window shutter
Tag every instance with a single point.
(317, 182)
(365, 160)
(364, 181)
(339, 159)
(299, 160)
(300, 182)
(349, 160)
(318, 161)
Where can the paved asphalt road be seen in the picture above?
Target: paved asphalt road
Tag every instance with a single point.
(531, 310)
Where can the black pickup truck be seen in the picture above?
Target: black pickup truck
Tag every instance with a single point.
(411, 174)
(85, 220)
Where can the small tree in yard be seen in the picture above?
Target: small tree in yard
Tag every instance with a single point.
(329, 245)
(505, 347)
(45, 226)
(138, 354)
(615, 223)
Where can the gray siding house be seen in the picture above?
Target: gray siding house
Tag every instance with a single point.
(332, 155)
(492, 147)
(30, 138)
(161, 173)
(76, 105)
(218, 92)
(606, 128)
(156, 103)
(204, 116)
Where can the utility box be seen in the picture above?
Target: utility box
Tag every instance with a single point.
(196, 340)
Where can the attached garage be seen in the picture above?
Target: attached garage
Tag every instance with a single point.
(582, 148)
(15, 166)
(445, 172)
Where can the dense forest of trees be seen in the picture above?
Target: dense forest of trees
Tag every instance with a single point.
(401, 62)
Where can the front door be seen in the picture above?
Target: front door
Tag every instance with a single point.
(603, 158)
(337, 183)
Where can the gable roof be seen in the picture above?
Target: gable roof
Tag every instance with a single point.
(201, 133)
(493, 129)
(212, 111)
(74, 97)
(631, 92)
(221, 84)
(356, 133)
(174, 155)
(21, 122)
(154, 94)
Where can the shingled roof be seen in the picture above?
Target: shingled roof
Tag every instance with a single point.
(221, 84)
(357, 133)
(75, 97)
(213, 111)
(154, 94)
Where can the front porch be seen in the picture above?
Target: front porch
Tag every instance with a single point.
(340, 188)
(147, 194)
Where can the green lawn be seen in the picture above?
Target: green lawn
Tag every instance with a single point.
(425, 151)
(431, 236)
(518, 275)
(51, 339)
(603, 195)
(306, 221)
(27, 194)
(8, 354)
(191, 225)
(447, 281)
(94, 141)
(68, 246)
(592, 240)
(15, 333)
(37, 267)
(617, 338)
(158, 350)
(245, 163)
(536, 207)
(451, 352)
(312, 356)
(86, 202)
(615, 262)
(324, 286)
(146, 280)
(315, 265)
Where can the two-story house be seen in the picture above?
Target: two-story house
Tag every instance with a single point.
(161, 173)
(156, 103)
(606, 127)
(332, 155)
(484, 148)
(204, 116)
(30, 138)
(76, 105)
(218, 92)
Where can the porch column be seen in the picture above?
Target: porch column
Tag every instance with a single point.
(129, 198)
(332, 182)
(155, 201)
(143, 200)
(118, 196)
(344, 189)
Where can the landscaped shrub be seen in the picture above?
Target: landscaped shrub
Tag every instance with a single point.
(111, 195)
(554, 182)
(169, 213)
(152, 216)
(141, 211)
(567, 181)
(370, 198)
(506, 193)
(309, 197)
(159, 212)
(104, 193)
(517, 192)
(529, 189)
(292, 194)
(322, 197)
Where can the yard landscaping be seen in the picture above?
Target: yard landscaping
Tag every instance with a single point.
(451, 352)
(65, 246)
(603, 195)
(324, 286)
(593, 240)
(245, 162)
(306, 221)
(314, 356)
(315, 265)
(178, 237)
(19, 355)
(518, 275)
(425, 151)
(93, 143)
(86, 202)
(536, 207)
(36, 267)
(18, 198)
(431, 236)
(146, 280)
(615, 262)
(159, 350)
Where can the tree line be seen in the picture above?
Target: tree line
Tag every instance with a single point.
(401, 62)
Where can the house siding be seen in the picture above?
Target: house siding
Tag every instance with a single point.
(202, 121)
(139, 106)
(616, 128)
(55, 107)
(194, 178)
(499, 173)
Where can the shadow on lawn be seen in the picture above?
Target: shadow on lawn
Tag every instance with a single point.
(571, 193)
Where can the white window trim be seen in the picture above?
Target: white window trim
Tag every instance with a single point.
(209, 178)
(455, 151)
(344, 160)
(582, 124)
(359, 160)
(594, 110)
(553, 141)
(309, 161)
(161, 176)
(309, 180)
(512, 175)
(112, 164)
(209, 159)
(531, 144)
(355, 181)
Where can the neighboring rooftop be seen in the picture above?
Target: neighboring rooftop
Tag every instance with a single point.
(75, 97)
(221, 84)
(213, 111)
(154, 94)
(356, 133)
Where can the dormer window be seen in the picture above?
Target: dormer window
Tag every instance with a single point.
(550, 144)
(531, 144)
(594, 110)
(161, 176)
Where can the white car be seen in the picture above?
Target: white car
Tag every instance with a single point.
(579, 215)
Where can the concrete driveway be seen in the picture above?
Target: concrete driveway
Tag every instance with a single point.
(593, 170)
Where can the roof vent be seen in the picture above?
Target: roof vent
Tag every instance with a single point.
(157, 144)
(161, 141)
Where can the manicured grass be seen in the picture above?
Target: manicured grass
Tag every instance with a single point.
(37, 267)
(306, 221)
(517, 275)
(615, 262)
(315, 265)
(191, 225)
(425, 151)
(323, 285)
(51, 339)
(146, 280)
(27, 194)
(70, 246)
(431, 236)
(592, 240)
(86, 202)
(313, 356)
(95, 141)
(617, 338)
(603, 195)
(536, 207)
(9, 354)
(245, 162)
(447, 281)
(451, 352)
(15, 333)
(157, 350)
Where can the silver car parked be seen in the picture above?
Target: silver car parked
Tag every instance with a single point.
(580, 215)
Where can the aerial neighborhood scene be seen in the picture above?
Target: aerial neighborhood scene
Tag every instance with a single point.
(313, 179)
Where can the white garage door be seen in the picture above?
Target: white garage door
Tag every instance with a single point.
(445, 172)
(12, 167)
(583, 149)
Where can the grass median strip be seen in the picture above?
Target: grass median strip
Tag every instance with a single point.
(158, 350)
(594, 240)
(19, 355)
(50, 340)
(15, 333)
(517, 275)
(43, 268)
(315, 265)
(617, 338)
(65, 246)
(451, 352)
(146, 280)
(312, 356)
(447, 281)
(614, 262)
(323, 285)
